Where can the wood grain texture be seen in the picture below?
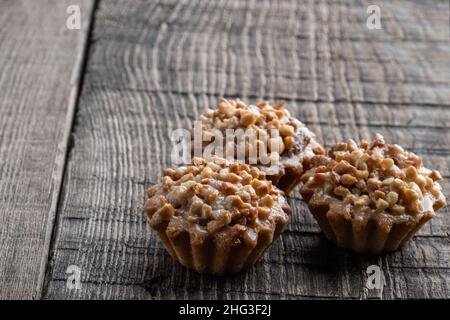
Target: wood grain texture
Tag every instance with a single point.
(40, 63)
(155, 66)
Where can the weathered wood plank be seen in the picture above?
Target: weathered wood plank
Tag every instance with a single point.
(343, 61)
(40, 64)
(155, 66)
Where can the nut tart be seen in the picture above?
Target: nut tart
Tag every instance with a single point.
(371, 197)
(294, 143)
(216, 217)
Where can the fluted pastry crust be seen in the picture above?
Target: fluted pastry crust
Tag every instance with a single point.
(216, 217)
(371, 198)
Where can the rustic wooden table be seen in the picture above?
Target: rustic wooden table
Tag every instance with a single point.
(85, 117)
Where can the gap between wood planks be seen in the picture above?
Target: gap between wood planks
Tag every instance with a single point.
(64, 147)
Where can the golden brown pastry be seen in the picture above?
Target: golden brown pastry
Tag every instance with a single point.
(295, 144)
(216, 217)
(371, 197)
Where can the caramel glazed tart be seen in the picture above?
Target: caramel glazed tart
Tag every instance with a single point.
(216, 217)
(371, 198)
(296, 143)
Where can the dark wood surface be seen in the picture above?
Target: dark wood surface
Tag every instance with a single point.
(154, 66)
(40, 67)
